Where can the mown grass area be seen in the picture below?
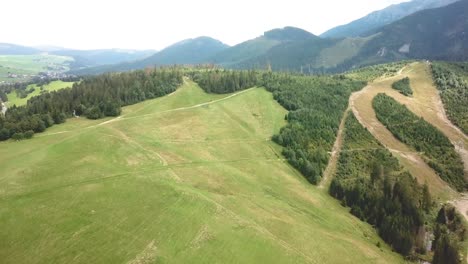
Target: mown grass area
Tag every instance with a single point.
(31, 64)
(13, 98)
(187, 178)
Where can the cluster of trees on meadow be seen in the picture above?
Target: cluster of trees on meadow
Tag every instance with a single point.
(93, 97)
(22, 90)
(450, 233)
(414, 131)
(224, 81)
(371, 182)
(452, 81)
(403, 86)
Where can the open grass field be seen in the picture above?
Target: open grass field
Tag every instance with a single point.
(31, 64)
(13, 98)
(187, 178)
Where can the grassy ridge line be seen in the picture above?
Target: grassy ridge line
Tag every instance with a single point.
(416, 132)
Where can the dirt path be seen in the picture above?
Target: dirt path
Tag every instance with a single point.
(331, 166)
(361, 105)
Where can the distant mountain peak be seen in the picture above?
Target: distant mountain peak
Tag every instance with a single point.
(202, 40)
(289, 34)
(365, 26)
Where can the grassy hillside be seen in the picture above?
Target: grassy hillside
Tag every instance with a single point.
(13, 98)
(31, 64)
(190, 177)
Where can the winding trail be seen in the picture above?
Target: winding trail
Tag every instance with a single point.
(426, 103)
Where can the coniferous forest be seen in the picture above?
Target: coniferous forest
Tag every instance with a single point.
(452, 81)
(403, 86)
(372, 183)
(437, 150)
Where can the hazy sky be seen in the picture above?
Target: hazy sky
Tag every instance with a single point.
(145, 24)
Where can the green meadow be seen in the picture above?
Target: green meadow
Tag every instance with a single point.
(31, 64)
(13, 98)
(186, 178)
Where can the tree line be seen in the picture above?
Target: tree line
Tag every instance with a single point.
(372, 183)
(451, 80)
(315, 103)
(93, 97)
(414, 131)
(225, 81)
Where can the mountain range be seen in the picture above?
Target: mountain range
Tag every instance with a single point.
(383, 17)
(420, 29)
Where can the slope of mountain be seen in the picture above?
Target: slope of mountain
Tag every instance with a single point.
(12, 49)
(88, 58)
(383, 17)
(282, 48)
(430, 34)
(189, 51)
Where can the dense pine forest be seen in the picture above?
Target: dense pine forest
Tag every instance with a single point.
(437, 150)
(371, 182)
(452, 81)
(403, 86)
(94, 98)
(316, 106)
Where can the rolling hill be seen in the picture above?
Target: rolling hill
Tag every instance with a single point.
(12, 49)
(184, 178)
(189, 51)
(377, 19)
(89, 58)
(259, 46)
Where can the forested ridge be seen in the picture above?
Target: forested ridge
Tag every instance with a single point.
(93, 97)
(437, 150)
(372, 183)
(452, 81)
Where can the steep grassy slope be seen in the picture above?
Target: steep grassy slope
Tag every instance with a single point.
(190, 177)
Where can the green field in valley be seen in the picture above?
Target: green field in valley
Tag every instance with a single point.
(31, 65)
(187, 178)
(13, 98)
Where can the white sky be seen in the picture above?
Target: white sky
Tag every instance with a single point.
(145, 24)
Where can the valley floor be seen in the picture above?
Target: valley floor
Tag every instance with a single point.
(187, 178)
